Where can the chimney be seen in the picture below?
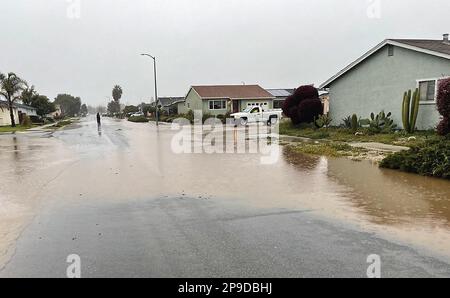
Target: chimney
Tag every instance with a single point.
(446, 38)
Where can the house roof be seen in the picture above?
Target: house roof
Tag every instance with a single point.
(281, 92)
(232, 92)
(168, 101)
(16, 105)
(439, 48)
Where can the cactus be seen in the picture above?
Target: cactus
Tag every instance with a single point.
(405, 109)
(354, 123)
(414, 111)
(381, 123)
(410, 110)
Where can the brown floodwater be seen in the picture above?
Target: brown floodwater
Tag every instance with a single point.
(123, 161)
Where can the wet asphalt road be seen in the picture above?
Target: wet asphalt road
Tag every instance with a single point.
(187, 238)
(121, 227)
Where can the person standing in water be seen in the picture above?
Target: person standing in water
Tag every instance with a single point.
(99, 120)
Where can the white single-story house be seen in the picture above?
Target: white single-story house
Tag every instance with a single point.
(222, 99)
(377, 80)
(19, 110)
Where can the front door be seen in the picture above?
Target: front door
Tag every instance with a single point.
(236, 104)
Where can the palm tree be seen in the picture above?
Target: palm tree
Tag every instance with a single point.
(28, 94)
(117, 93)
(11, 87)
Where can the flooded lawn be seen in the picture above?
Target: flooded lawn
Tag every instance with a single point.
(125, 161)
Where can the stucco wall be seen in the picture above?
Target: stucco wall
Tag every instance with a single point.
(193, 101)
(182, 109)
(379, 82)
(5, 118)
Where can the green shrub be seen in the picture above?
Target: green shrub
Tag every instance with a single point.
(26, 121)
(430, 159)
(141, 119)
(323, 121)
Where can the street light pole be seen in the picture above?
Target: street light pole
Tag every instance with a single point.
(156, 87)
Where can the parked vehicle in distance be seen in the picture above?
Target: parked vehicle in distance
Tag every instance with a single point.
(138, 114)
(257, 114)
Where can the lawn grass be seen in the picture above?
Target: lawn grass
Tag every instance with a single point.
(7, 129)
(330, 149)
(346, 135)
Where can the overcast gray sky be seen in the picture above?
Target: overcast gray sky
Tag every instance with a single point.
(274, 43)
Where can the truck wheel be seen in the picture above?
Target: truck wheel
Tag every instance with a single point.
(243, 121)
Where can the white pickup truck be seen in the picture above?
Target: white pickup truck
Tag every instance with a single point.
(257, 114)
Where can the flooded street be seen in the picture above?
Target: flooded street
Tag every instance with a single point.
(121, 199)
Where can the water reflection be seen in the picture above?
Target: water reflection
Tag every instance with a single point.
(99, 129)
(392, 197)
(386, 196)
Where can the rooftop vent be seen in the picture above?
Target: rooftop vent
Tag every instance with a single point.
(446, 38)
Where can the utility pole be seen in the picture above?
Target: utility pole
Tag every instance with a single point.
(156, 87)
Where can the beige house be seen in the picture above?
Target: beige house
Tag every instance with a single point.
(19, 111)
(222, 99)
(5, 118)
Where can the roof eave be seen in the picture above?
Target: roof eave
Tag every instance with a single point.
(376, 49)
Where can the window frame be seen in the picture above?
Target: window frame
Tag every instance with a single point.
(223, 104)
(436, 88)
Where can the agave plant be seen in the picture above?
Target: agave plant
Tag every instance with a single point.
(347, 122)
(323, 121)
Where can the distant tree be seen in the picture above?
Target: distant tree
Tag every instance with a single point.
(130, 109)
(113, 107)
(147, 108)
(70, 105)
(42, 104)
(101, 109)
(117, 93)
(84, 110)
(11, 87)
(28, 94)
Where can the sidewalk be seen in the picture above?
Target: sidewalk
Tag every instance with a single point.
(39, 128)
(371, 146)
(379, 147)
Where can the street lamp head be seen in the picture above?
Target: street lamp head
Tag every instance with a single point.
(148, 55)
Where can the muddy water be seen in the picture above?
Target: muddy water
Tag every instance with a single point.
(27, 164)
(123, 161)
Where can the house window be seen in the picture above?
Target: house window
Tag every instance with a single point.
(390, 50)
(427, 90)
(217, 104)
(278, 104)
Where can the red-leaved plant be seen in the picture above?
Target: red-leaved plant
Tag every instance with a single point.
(304, 106)
(443, 106)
